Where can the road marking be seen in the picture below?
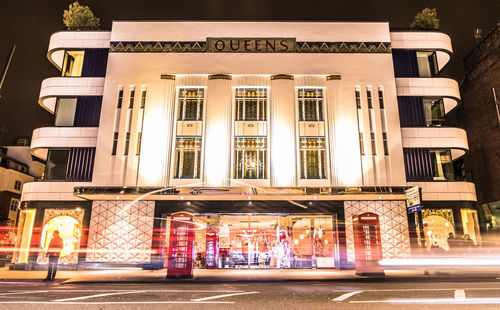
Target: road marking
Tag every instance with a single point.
(346, 295)
(434, 301)
(22, 292)
(459, 294)
(148, 291)
(425, 289)
(114, 303)
(222, 296)
(99, 295)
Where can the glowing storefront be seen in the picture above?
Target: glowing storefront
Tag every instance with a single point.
(273, 136)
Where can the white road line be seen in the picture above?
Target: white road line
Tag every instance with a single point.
(426, 289)
(98, 295)
(433, 301)
(149, 291)
(222, 296)
(23, 292)
(346, 295)
(459, 294)
(114, 303)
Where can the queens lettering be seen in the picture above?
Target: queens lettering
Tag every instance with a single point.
(250, 45)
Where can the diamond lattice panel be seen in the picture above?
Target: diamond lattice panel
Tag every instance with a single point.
(120, 232)
(393, 226)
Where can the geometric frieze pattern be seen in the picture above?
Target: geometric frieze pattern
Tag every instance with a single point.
(394, 232)
(201, 47)
(120, 232)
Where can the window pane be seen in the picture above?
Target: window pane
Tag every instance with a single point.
(187, 158)
(251, 104)
(312, 158)
(191, 110)
(434, 111)
(251, 110)
(250, 158)
(65, 112)
(191, 104)
(57, 161)
(427, 64)
(442, 165)
(73, 63)
(310, 104)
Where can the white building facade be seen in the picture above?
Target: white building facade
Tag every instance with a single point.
(273, 136)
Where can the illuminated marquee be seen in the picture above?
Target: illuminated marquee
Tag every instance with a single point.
(252, 45)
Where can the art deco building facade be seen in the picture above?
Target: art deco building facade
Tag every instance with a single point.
(273, 136)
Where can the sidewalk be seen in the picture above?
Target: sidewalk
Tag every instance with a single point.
(238, 275)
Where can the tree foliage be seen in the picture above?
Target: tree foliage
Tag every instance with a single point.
(426, 19)
(80, 17)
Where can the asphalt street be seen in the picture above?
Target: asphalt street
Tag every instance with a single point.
(428, 293)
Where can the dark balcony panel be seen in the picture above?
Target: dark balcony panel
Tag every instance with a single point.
(418, 164)
(95, 62)
(411, 112)
(80, 165)
(405, 63)
(88, 111)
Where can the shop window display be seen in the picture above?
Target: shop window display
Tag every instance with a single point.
(438, 224)
(69, 225)
(264, 241)
(470, 224)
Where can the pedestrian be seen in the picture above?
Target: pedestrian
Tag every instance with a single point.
(53, 253)
(468, 243)
(453, 243)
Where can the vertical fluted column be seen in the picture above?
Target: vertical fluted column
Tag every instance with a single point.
(157, 135)
(283, 132)
(217, 138)
(345, 157)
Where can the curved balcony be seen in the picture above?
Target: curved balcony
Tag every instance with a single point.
(65, 40)
(430, 87)
(446, 191)
(68, 87)
(424, 40)
(436, 138)
(51, 191)
(61, 137)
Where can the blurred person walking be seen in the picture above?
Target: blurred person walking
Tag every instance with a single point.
(53, 253)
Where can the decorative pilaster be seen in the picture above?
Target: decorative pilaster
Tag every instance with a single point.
(343, 135)
(217, 137)
(156, 148)
(283, 139)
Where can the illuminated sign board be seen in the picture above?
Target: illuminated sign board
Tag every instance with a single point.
(251, 45)
(413, 203)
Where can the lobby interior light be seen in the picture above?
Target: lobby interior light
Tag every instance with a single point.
(117, 197)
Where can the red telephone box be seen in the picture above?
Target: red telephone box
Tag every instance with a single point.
(180, 252)
(367, 244)
(211, 249)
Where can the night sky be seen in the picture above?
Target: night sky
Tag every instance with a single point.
(29, 24)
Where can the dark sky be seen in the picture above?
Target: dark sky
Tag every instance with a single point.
(29, 23)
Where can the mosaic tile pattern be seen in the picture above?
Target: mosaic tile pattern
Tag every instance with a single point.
(119, 233)
(393, 226)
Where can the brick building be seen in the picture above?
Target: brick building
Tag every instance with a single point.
(480, 117)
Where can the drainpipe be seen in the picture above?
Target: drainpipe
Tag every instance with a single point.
(7, 65)
(496, 104)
